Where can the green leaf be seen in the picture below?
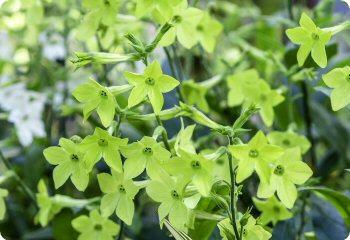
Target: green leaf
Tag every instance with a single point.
(339, 200)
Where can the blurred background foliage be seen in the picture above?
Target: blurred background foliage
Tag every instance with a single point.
(38, 38)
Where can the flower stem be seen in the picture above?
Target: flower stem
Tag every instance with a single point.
(233, 193)
(22, 184)
(164, 134)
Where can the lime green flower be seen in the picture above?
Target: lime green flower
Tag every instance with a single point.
(265, 98)
(311, 39)
(185, 20)
(272, 210)
(208, 29)
(95, 227)
(70, 162)
(164, 7)
(194, 167)
(146, 153)
(289, 139)
(100, 12)
(3, 194)
(287, 171)
(236, 84)
(151, 83)
(184, 140)
(94, 96)
(339, 80)
(251, 231)
(194, 94)
(47, 208)
(256, 155)
(119, 194)
(170, 193)
(102, 144)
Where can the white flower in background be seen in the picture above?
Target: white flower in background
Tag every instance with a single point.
(53, 46)
(347, 2)
(25, 110)
(6, 46)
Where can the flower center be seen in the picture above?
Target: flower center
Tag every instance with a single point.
(148, 151)
(200, 28)
(244, 232)
(150, 81)
(348, 78)
(276, 209)
(103, 94)
(74, 157)
(177, 19)
(98, 227)
(253, 153)
(315, 36)
(174, 194)
(286, 142)
(195, 164)
(279, 170)
(102, 142)
(263, 97)
(121, 189)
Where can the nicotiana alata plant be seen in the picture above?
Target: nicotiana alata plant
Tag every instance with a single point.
(241, 180)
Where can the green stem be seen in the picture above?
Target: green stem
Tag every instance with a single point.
(233, 193)
(164, 134)
(22, 184)
(120, 236)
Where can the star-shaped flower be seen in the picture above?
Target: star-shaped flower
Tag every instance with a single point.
(236, 84)
(47, 208)
(194, 94)
(184, 21)
(256, 155)
(163, 7)
(170, 193)
(3, 194)
(289, 139)
(339, 80)
(102, 144)
(119, 194)
(194, 167)
(208, 29)
(272, 210)
(146, 153)
(251, 231)
(70, 162)
(151, 83)
(311, 39)
(261, 94)
(288, 170)
(95, 227)
(94, 96)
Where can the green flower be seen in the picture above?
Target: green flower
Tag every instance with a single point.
(272, 210)
(194, 94)
(3, 194)
(184, 21)
(151, 83)
(289, 139)
(70, 162)
(184, 140)
(287, 171)
(102, 144)
(251, 231)
(47, 208)
(170, 193)
(236, 84)
(94, 96)
(146, 153)
(100, 12)
(339, 80)
(256, 155)
(311, 39)
(95, 227)
(119, 194)
(164, 7)
(263, 97)
(194, 167)
(208, 29)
